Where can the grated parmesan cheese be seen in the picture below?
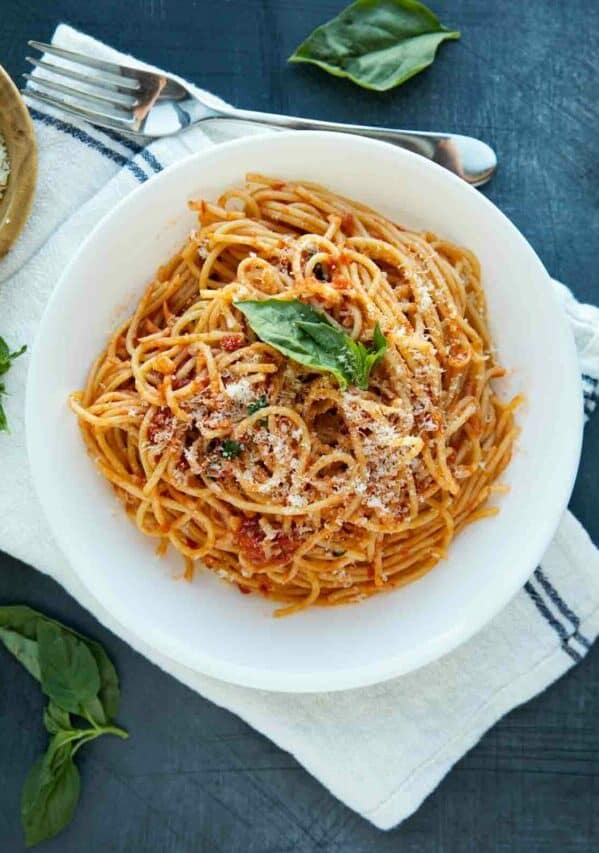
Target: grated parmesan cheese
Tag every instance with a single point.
(297, 501)
(240, 391)
(203, 250)
(4, 166)
(420, 287)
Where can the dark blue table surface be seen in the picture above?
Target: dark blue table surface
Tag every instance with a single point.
(524, 77)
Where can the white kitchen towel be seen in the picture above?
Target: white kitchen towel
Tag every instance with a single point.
(380, 749)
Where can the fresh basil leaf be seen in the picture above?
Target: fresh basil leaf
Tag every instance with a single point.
(20, 621)
(278, 323)
(69, 672)
(20, 618)
(6, 359)
(25, 650)
(78, 676)
(5, 353)
(336, 350)
(304, 334)
(109, 693)
(18, 352)
(93, 710)
(50, 793)
(377, 44)
(367, 358)
(328, 338)
(25, 621)
(55, 719)
(3, 420)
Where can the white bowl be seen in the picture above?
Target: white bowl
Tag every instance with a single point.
(207, 625)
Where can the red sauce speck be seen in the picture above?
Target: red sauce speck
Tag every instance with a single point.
(162, 419)
(286, 545)
(250, 538)
(348, 223)
(340, 282)
(230, 343)
(476, 426)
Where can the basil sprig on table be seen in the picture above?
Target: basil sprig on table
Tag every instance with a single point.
(6, 359)
(377, 44)
(79, 679)
(306, 335)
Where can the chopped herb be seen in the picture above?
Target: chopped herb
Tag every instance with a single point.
(230, 448)
(6, 359)
(338, 552)
(263, 422)
(258, 404)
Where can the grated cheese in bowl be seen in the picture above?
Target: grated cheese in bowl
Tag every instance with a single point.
(4, 166)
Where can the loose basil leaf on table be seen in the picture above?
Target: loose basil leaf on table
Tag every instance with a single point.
(56, 719)
(307, 336)
(25, 621)
(50, 793)
(24, 649)
(6, 359)
(69, 673)
(377, 44)
(6, 356)
(78, 676)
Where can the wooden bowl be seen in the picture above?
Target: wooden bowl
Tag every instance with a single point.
(17, 129)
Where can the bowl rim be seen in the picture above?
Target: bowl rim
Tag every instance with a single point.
(15, 204)
(363, 675)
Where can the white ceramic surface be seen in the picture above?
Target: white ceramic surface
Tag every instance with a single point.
(208, 625)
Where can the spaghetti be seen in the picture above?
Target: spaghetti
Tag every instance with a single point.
(261, 468)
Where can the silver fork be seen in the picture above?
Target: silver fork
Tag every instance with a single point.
(146, 104)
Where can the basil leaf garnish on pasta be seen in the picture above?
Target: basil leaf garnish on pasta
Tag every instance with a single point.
(377, 44)
(307, 336)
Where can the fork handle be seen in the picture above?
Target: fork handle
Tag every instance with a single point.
(470, 158)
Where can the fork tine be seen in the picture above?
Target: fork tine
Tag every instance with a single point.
(82, 59)
(103, 79)
(124, 103)
(124, 125)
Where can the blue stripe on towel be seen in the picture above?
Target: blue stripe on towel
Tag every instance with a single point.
(590, 390)
(86, 139)
(561, 606)
(135, 147)
(551, 620)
